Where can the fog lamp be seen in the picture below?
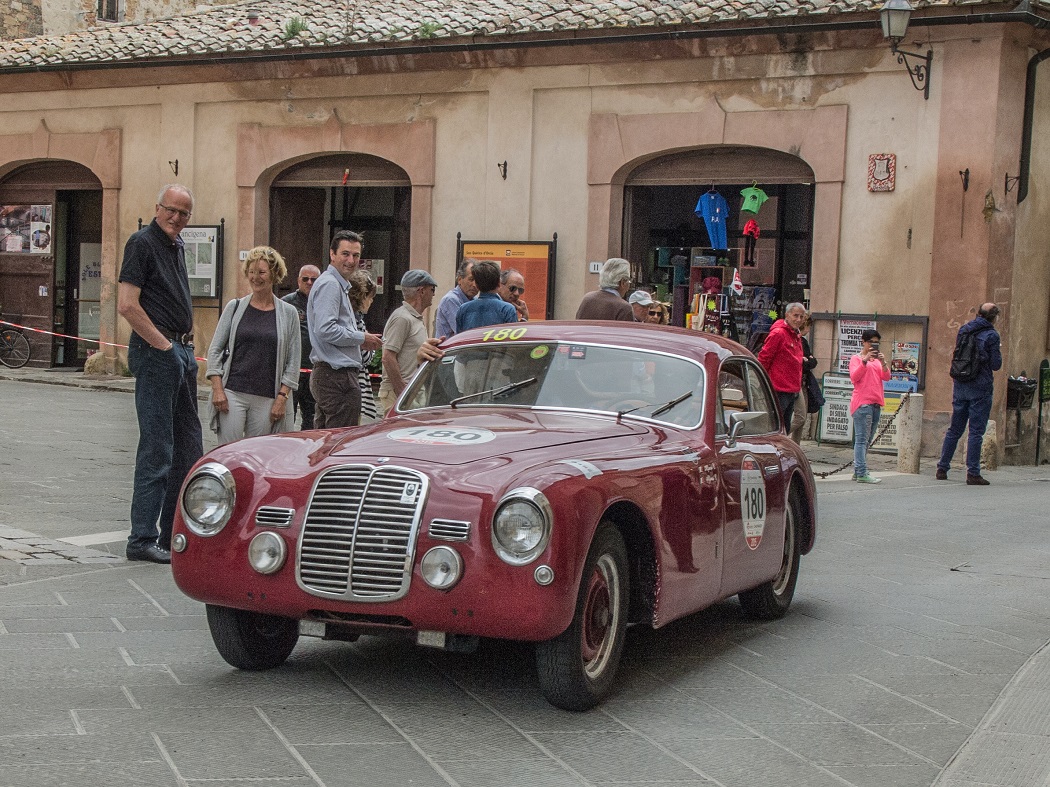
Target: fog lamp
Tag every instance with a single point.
(267, 552)
(441, 568)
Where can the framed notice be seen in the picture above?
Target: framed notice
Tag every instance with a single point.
(882, 171)
(849, 340)
(204, 259)
(25, 229)
(535, 260)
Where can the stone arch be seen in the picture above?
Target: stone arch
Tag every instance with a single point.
(619, 144)
(265, 152)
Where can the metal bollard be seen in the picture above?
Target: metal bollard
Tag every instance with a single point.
(909, 434)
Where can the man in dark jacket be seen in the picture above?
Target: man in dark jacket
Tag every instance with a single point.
(302, 398)
(972, 401)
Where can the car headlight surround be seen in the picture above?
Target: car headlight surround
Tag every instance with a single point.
(208, 499)
(522, 525)
(267, 552)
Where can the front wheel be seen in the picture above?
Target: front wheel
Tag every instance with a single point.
(771, 599)
(251, 640)
(576, 669)
(14, 349)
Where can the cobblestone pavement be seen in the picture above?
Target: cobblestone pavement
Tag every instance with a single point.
(915, 654)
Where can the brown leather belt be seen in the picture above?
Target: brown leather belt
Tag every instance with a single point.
(178, 338)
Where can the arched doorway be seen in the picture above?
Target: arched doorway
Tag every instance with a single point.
(313, 199)
(51, 257)
(664, 238)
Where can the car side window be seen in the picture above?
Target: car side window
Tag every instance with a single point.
(762, 401)
(732, 393)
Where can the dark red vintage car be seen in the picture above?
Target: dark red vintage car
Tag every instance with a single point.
(550, 482)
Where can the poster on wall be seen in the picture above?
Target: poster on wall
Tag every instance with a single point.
(376, 270)
(904, 363)
(850, 343)
(204, 259)
(535, 260)
(25, 229)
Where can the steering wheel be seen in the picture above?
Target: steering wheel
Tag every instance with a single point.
(629, 404)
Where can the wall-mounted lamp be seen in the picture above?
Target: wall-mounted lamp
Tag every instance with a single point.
(895, 15)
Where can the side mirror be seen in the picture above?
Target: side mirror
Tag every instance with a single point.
(737, 421)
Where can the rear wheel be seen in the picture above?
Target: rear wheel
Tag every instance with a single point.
(14, 349)
(251, 640)
(576, 669)
(771, 599)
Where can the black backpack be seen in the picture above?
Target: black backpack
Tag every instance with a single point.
(966, 362)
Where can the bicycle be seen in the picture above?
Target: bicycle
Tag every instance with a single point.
(14, 346)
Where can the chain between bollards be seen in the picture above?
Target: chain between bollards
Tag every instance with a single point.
(882, 431)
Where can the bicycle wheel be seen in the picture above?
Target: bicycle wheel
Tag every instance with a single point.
(14, 349)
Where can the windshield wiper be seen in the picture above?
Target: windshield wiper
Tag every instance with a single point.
(497, 393)
(673, 403)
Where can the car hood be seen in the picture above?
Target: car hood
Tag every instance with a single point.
(461, 437)
(439, 437)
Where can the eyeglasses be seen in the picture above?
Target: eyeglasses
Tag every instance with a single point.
(517, 290)
(182, 214)
(655, 313)
(307, 278)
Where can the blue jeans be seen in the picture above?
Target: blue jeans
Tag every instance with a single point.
(865, 422)
(973, 408)
(170, 438)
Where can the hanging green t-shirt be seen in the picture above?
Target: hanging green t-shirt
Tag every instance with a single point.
(753, 199)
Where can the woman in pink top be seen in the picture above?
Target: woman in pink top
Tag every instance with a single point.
(867, 370)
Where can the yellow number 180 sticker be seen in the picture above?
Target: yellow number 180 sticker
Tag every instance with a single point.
(503, 334)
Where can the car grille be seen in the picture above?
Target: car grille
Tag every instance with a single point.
(359, 537)
(273, 516)
(449, 529)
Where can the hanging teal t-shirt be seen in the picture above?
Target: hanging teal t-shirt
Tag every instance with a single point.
(753, 199)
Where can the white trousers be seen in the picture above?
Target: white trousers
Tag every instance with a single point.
(249, 416)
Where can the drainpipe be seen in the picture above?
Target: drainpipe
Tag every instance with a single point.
(1026, 128)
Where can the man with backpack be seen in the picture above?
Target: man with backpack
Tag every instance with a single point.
(976, 356)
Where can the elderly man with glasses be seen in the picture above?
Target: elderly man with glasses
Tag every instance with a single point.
(511, 288)
(154, 297)
(302, 399)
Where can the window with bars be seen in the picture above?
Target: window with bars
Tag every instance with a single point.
(108, 10)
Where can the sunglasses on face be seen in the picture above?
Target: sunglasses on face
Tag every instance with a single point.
(517, 290)
(655, 312)
(307, 278)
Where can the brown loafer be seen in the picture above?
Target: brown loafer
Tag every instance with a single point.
(942, 475)
(976, 480)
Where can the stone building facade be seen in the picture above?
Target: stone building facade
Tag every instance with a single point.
(600, 124)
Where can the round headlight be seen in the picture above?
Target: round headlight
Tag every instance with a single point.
(522, 526)
(267, 552)
(441, 568)
(208, 498)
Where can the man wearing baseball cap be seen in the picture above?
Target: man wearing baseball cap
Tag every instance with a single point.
(404, 334)
(640, 302)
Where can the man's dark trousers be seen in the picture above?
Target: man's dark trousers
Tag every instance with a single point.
(967, 406)
(303, 400)
(170, 438)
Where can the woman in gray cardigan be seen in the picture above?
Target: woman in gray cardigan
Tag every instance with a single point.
(253, 361)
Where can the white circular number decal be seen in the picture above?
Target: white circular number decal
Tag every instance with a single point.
(752, 501)
(442, 436)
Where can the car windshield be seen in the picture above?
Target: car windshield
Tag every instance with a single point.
(563, 375)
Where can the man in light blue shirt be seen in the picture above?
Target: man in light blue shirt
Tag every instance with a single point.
(465, 290)
(336, 341)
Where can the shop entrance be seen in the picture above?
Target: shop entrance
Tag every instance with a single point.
(667, 242)
(312, 200)
(51, 258)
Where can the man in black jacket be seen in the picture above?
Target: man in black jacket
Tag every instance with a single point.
(302, 399)
(972, 401)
